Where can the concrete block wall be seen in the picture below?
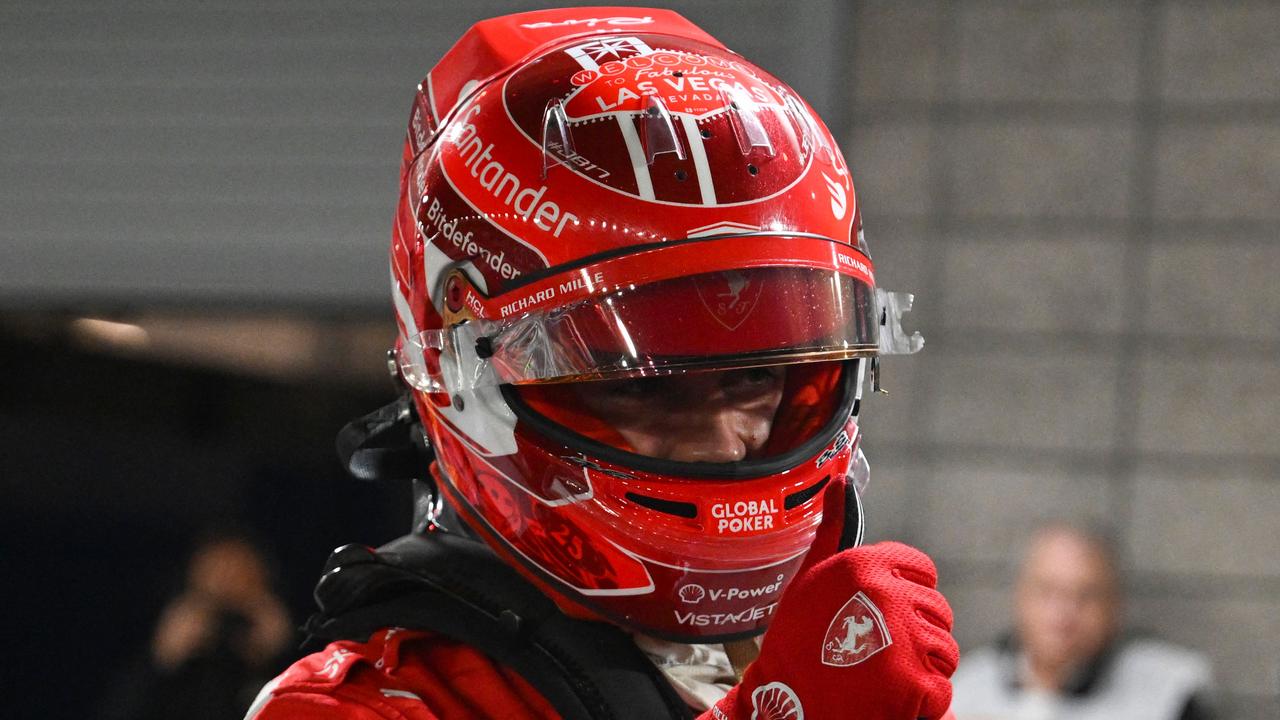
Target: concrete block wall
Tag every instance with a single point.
(1086, 197)
(246, 152)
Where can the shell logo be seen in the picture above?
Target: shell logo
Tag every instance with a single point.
(775, 701)
(692, 593)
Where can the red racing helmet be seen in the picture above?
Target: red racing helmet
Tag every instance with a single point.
(598, 194)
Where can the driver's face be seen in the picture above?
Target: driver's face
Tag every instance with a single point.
(717, 416)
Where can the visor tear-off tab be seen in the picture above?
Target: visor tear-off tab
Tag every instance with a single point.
(893, 339)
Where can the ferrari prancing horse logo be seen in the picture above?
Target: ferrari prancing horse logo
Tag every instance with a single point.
(856, 633)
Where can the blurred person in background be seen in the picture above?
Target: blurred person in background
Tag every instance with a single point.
(1068, 657)
(215, 643)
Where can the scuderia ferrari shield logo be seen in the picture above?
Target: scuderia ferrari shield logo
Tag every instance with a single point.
(729, 296)
(856, 633)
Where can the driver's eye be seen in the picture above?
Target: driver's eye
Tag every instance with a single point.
(627, 389)
(751, 378)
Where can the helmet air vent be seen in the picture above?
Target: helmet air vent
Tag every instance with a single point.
(812, 140)
(658, 133)
(744, 116)
(557, 141)
(800, 497)
(670, 507)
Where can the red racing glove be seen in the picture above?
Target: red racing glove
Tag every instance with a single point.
(860, 633)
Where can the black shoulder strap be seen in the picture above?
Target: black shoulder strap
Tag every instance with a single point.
(386, 444)
(456, 587)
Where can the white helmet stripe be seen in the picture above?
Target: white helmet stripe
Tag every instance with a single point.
(644, 183)
(698, 153)
(408, 325)
(431, 100)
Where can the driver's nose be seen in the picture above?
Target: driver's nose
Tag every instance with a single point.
(715, 432)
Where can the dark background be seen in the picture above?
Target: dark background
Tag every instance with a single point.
(116, 467)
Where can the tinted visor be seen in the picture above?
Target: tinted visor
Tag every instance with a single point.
(730, 319)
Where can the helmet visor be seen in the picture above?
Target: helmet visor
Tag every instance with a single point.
(728, 319)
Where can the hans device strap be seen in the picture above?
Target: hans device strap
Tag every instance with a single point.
(386, 444)
(457, 588)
